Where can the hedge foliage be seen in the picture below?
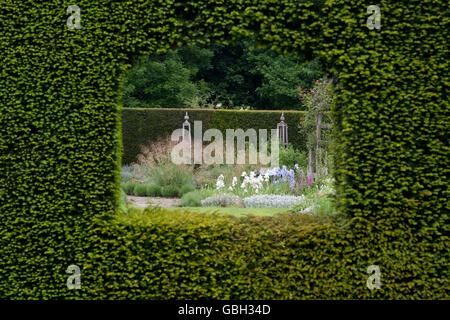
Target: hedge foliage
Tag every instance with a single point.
(139, 126)
(161, 254)
(60, 150)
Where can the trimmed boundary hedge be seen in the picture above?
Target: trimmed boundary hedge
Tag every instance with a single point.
(60, 144)
(139, 126)
(161, 254)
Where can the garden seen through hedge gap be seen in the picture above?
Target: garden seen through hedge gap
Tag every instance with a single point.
(71, 152)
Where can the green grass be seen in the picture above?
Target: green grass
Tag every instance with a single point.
(233, 210)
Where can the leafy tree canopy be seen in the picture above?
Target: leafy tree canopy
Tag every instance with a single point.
(234, 76)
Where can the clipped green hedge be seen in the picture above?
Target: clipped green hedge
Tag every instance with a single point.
(140, 126)
(161, 254)
(60, 141)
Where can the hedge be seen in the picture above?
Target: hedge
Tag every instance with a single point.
(140, 126)
(161, 254)
(60, 134)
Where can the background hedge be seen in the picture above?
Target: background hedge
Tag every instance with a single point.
(60, 136)
(139, 126)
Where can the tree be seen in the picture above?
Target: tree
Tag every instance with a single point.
(317, 124)
(235, 76)
(280, 77)
(159, 82)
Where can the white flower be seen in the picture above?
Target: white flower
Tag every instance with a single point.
(220, 183)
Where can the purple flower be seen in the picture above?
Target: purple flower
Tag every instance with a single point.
(309, 181)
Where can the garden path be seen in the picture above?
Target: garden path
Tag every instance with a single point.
(144, 202)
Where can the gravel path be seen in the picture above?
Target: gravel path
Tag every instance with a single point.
(144, 202)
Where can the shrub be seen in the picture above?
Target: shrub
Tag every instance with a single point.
(191, 199)
(221, 200)
(156, 154)
(128, 187)
(186, 188)
(170, 191)
(155, 166)
(272, 201)
(153, 190)
(140, 190)
(289, 157)
(171, 174)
